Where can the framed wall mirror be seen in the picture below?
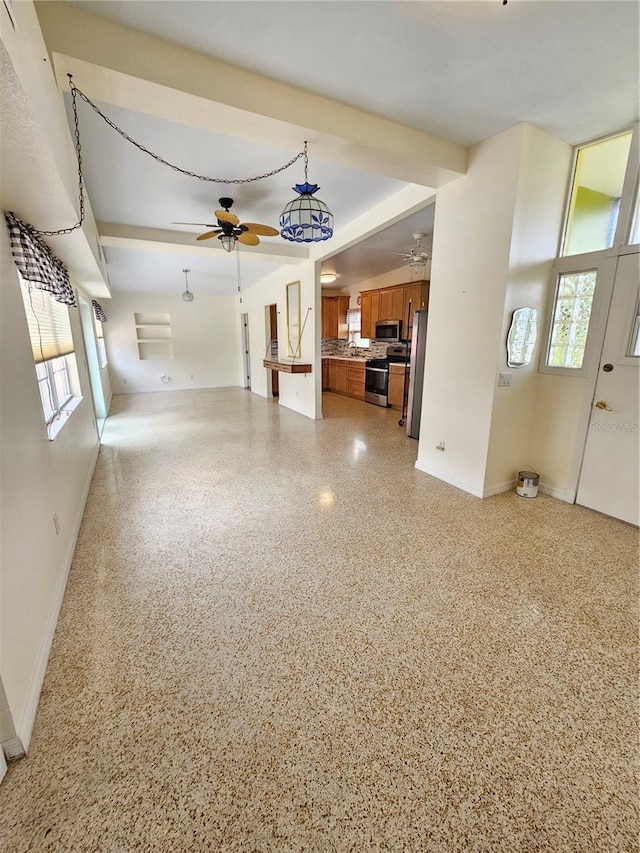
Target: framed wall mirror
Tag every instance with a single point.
(293, 319)
(522, 337)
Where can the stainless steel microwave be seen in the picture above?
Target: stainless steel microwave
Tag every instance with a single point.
(389, 330)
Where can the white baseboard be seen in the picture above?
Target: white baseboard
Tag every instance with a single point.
(567, 495)
(499, 488)
(465, 487)
(24, 726)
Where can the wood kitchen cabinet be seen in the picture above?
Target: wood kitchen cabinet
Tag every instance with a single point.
(392, 303)
(369, 304)
(334, 317)
(396, 385)
(355, 379)
(338, 375)
(415, 297)
(325, 374)
(345, 377)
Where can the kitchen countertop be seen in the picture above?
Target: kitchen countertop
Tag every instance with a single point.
(356, 358)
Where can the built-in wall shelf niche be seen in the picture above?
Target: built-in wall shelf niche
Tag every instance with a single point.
(153, 333)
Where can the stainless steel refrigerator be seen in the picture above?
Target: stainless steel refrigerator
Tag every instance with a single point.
(416, 373)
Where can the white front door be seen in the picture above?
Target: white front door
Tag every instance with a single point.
(610, 469)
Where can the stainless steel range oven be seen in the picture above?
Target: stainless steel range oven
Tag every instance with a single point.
(376, 381)
(376, 375)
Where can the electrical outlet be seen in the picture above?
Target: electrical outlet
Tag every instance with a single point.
(505, 380)
(56, 523)
(124, 381)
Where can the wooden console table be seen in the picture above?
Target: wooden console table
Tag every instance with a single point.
(287, 366)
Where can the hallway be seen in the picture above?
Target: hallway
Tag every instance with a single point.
(279, 636)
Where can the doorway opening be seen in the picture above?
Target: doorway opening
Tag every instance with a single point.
(272, 348)
(246, 361)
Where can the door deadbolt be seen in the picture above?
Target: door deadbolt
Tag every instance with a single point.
(607, 368)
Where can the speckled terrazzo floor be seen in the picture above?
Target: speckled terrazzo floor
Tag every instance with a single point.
(279, 636)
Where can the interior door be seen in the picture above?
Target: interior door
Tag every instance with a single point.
(609, 476)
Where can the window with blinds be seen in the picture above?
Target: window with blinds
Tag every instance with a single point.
(49, 327)
(53, 354)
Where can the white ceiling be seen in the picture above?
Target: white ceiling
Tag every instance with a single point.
(463, 71)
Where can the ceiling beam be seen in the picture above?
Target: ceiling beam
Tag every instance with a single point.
(181, 243)
(120, 66)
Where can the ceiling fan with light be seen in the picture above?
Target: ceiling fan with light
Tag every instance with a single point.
(417, 256)
(229, 230)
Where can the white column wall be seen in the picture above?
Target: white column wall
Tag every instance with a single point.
(541, 191)
(469, 273)
(301, 392)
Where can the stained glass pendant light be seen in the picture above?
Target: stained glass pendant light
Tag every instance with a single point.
(187, 296)
(306, 219)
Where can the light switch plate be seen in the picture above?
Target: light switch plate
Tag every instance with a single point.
(505, 379)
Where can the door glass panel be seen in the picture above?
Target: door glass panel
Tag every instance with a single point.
(635, 228)
(571, 317)
(634, 345)
(595, 196)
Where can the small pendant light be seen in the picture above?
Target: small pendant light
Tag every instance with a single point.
(306, 219)
(187, 296)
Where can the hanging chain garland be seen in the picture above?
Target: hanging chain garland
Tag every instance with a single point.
(77, 93)
(80, 177)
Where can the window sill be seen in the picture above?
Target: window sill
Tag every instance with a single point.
(55, 425)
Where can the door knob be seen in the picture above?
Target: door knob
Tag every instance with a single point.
(602, 405)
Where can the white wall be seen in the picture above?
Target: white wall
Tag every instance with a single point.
(557, 432)
(301, 392)
(39, 478)
(469, 273)
(205, 336)
(544, 168)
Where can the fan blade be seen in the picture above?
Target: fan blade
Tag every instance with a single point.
(402, 254)
(203, 224)
(263, 230)
(209, 234)
(225, 216)
(248, 239)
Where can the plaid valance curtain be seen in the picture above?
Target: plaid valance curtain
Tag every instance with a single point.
(98, 311)
(36, 261)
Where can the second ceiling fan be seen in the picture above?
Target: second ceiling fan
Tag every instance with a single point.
(229, 230)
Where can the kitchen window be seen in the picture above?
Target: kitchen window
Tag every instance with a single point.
(354, 319)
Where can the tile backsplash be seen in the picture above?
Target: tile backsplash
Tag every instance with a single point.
(331, 346)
